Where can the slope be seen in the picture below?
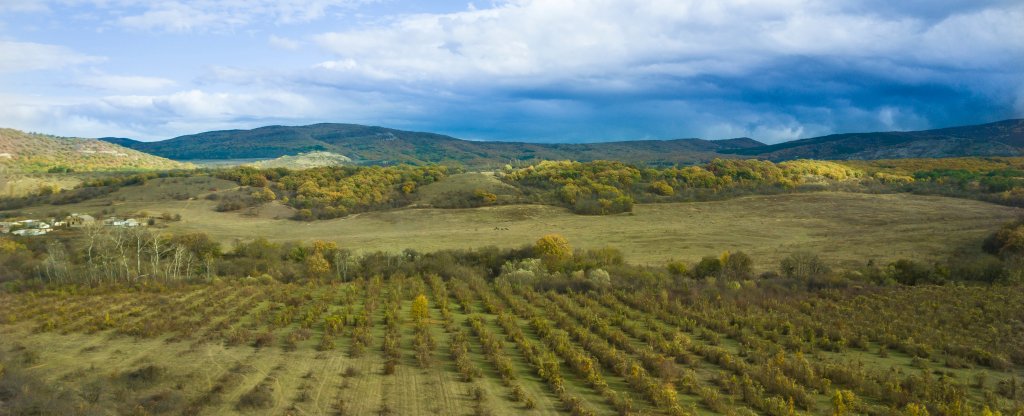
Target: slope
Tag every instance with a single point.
(31, 152)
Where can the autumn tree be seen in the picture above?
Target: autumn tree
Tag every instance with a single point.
(736, 266)
(662, 188)
(419, 310)
(316, 265)
(844, 402)
(553, 249)
(553, 245)
(264, 195)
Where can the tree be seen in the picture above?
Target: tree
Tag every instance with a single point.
(264, 195)
(16, 260)
(553, 249)
(909, 272)
(914, 409)
(736, 266)
(419, 310)
(677, 268)
(662, 188)
(709, 266)
(803, 265)
(844, 402)
(1008, 241)
(316, 265)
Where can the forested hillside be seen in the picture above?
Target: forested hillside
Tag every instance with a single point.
(378, 145)
(1004, 138)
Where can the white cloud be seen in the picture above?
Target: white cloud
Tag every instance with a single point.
(161, 116)
(534, 69)
(185, 16)
(124, 83)
(284, 43)
(539, 41)
(23, 6)
(29, 56)
(177, 17)
(202, 105)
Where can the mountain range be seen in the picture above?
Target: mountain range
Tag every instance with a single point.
(380, 145)
(1003, 138)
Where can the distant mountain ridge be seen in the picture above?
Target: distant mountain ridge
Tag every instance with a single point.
(1002, 138)
(371, 144)
(380, 145)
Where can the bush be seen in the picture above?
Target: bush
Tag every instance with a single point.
(260, 397)
(737, 266)
(143, 376)
(909, 272)
(709, 266)
(803, 266)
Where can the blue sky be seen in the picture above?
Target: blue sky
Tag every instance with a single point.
(534, 70)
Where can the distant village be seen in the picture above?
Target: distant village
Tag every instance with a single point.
(37, 227)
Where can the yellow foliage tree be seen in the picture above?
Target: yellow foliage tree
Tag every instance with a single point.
(553, 245)
(264, 195)
(843, 403)
(914, 409)
(662, 188)
(419, 310)
(316, 265)
(9, 246)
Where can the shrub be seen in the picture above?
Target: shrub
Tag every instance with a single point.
(803, 266)
(709, 266)
(260, 397)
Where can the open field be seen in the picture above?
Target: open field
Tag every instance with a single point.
(845, 228)
(310, 349)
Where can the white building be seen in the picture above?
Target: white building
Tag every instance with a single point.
(28, 232)
(128, 222)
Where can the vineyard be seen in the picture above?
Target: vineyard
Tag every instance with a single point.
(418, 345)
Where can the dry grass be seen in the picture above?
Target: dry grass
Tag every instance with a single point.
(846, 228)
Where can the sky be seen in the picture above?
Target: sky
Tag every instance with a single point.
(525, 70)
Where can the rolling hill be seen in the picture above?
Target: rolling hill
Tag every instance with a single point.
(1003, 138)
(30, 152)
(368, 144)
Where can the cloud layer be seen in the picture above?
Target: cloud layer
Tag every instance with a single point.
(561, 70)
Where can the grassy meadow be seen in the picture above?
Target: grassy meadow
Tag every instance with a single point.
(845, 228)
